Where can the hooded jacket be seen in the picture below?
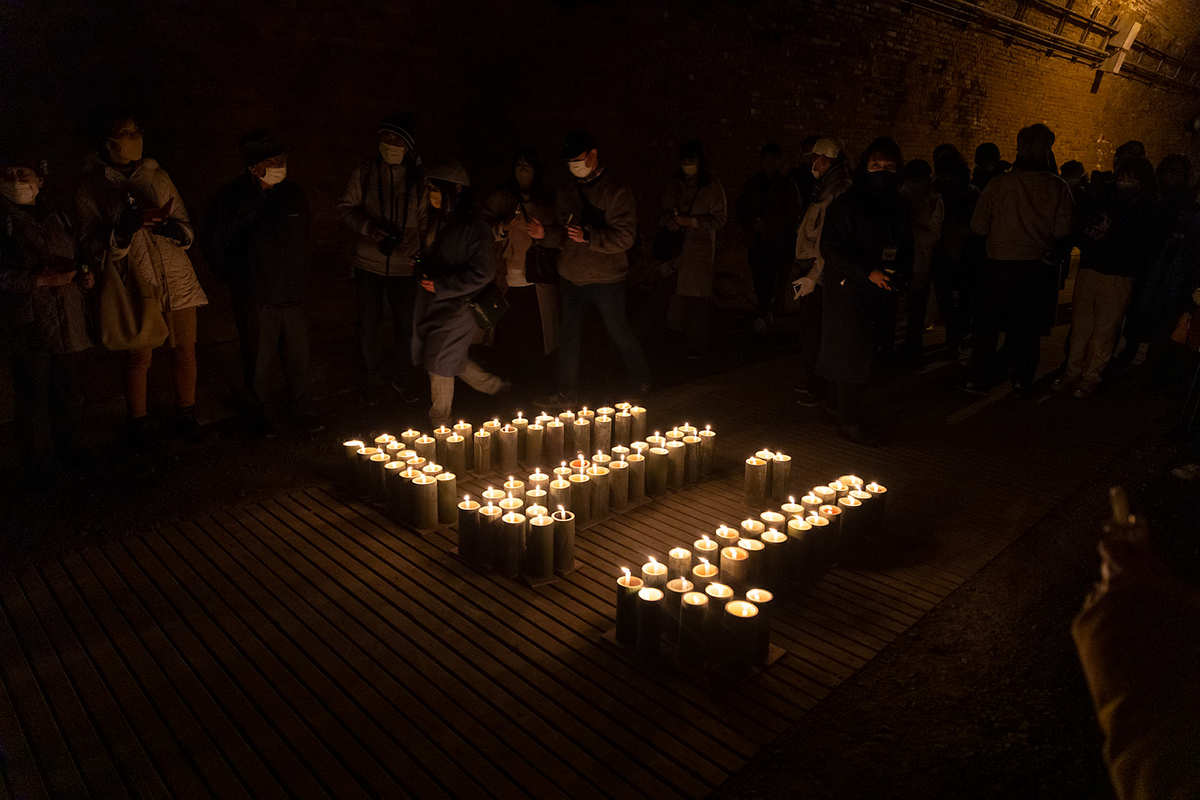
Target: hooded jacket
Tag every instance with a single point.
(836, 180)
(158, 260)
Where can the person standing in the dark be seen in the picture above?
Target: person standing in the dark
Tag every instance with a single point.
(1105, 183)
(802, 174)
(867, 245)
(1026, 215)
(767, 208)
(957, 255)
(256, 239)
(987, 165)
(1076, 177)
(385, 204)
(43, 321)
(928, 214)
(595, 225)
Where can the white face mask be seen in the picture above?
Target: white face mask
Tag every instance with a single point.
(579, 168)
(392, 153)
(274, 175)
(690, 169)
(22, 193)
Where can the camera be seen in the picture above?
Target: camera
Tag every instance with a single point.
(388, 243)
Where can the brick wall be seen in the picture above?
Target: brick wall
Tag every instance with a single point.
(484, 77)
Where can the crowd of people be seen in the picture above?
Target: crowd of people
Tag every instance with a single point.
(846, 245)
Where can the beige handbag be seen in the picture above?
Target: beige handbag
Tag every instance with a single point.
(130, 315)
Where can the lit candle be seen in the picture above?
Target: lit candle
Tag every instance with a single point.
(704, 573)
(394, 448)
(514, 487)
(350, 450)
(828, 496)
(601, 459)
(679, 563)
(513, 531)
(676, 464)
(854, 522)
(853, 481)
(560, 493)
(650, 623)
(567, 418)
(654, 574)
(676, 589)
(456, 454)
(810, 503)
(581, 499)
(508, 457)
(602, 433)
(382, 440)
(639, 447)
(800, 557)
(620, 452)
(707, 548)
(563, 472)
(840, 489)
(564, 540)
(493, 427)
(579, 464)
(417, 462)
(491, 533)
(792, 509)
(637, 477)
(741, 635)
(408, 494)
(621, 427)
(511, 503)
(408, 437)
(718, 595)
(871, 513)
(708, 450)
(691, 455)
(432, 470)
(469, 544)
(735, 565)
(586, 414)
(447, 487)
(752, 528)
(536, 497)
(493, 495)
(538, 479)
(378, 487)
(618, 485)
(878, 496)
(834, 515)
(755, 568)
(539, 549)
(425, 503)
(657, 440)
(600, 485)
(772, 519)
(693, 642)
(440, 435)
(464, 430)
(674, 435)
(727, 536)
(637, 425)
(656, 471)
(392, 487)
(819, 545)
(522, 426)
(365, 473)
(426, 447)
(554, 445)
(781, 477)
(763, 600)
(776, 548)
(755, 483)
(534, 444)
(483, 452)
(627, 592)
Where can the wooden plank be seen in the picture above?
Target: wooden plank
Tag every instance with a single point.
(19, 769)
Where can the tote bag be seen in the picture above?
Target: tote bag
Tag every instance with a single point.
(130, 316)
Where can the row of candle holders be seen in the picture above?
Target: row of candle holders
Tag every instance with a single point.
(693, 597)
(768, 477)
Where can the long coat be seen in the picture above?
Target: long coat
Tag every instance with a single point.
(38, 320)
(461, 263)
(707, 204)
(859, 226)
(158, 261)
(499, 207)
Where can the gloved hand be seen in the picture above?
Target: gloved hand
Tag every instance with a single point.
(804, 287)
(171, 229)
(129, 222)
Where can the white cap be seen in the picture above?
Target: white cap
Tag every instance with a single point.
(829, 147)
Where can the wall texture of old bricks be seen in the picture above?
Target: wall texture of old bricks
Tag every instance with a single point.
(484, 77)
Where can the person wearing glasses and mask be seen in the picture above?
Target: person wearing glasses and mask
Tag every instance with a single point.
(386, 206)
(256, 239)
(128, 207)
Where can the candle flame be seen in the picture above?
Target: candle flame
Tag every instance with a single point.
(705, 536)
(489, 503)
(520, 415)
(510, 497)
(467, 497)
(623, 569)
(652, 561)
(563, 510)
(564, 463)
(704, 561)
(708, 427)
(656, 433)
(511, 479)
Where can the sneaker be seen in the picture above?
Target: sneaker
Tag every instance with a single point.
(972, 386)
(140, 435)
(369, 395)
(186, 426)
(407, 393)
(560, 400)
(310, 423)
(858, 435)
(809, 399)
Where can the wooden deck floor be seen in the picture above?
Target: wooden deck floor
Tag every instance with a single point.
(307, 647)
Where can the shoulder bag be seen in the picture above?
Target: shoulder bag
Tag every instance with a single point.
(130, 315)
(488, 306)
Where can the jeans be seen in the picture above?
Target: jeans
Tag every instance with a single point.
(609, 300)
(441, 389)
(45, 408)
(1009, 298)
(399, 292)
(281, 331)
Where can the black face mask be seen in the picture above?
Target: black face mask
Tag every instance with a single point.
(882, 181)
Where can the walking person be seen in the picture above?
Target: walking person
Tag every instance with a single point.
(832, 178)
(927, 213)
(460, 263)
(43, 321)
(1026, 216)
(595, 225)
(767, 209)
(867, 244)
(386, 206)
(958, 254)
(693, 210)
(128, 209)
(256, 239)
(1121, 238)
(528, 331)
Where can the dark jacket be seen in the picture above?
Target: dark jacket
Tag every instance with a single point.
(768, 208)
(610, 218)
(38, 320)
(1121, 237)
(257, 240)
(860, 226)
(461, 263)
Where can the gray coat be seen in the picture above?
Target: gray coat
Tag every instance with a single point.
(460, 265)
(695, 263)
